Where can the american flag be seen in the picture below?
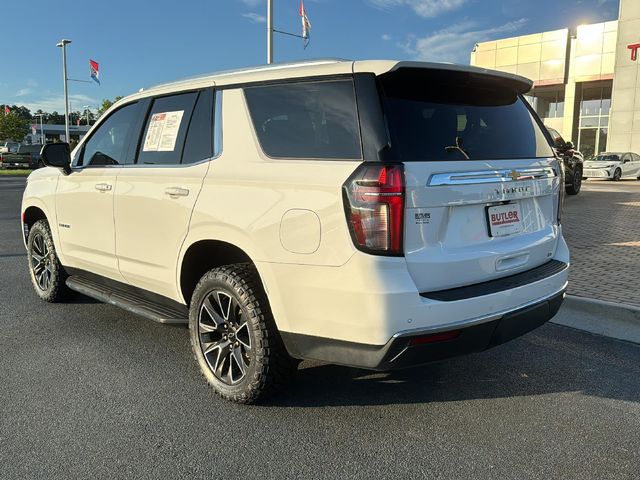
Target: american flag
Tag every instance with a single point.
(306, 25)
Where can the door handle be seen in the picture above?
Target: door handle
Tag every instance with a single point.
(103, 187)
(176, 192)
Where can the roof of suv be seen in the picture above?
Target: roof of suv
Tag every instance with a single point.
(320, 67)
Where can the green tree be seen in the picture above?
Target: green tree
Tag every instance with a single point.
(106, 104)
(54, 118)
(12, 127)
(22, 111)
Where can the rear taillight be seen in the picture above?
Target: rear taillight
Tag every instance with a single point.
(561, 190)
(374, 204)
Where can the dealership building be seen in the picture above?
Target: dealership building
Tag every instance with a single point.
(586, 79)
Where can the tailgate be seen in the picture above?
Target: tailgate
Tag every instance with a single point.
(464, 225)
(482, 180)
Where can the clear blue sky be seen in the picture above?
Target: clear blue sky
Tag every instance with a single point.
(142, 43)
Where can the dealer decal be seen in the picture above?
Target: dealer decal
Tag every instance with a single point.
(422, 218)
(504, 218)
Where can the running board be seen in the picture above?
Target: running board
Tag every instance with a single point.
(128, 301)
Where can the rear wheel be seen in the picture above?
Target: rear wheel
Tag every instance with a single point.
(47, 274)
(576, 182)
(617, 175)
(234, 336)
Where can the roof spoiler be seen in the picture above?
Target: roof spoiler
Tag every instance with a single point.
(518, 83)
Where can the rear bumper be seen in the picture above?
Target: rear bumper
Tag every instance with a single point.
(420, 347)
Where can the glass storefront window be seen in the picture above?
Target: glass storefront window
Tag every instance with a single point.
(603, 139)
(547, 103)
(589, 121)
(588, 142)
(591, 100)
(595, 104)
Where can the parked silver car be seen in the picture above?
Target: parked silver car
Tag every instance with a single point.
(613, 165)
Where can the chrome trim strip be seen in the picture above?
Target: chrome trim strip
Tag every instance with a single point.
(491, 176)
(476, 320)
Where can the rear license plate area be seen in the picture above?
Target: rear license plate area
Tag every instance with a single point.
(504, 220)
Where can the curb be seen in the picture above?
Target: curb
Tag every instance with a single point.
(614, 320)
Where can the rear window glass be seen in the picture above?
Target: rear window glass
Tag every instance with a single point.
(440, 116)
(306, 120)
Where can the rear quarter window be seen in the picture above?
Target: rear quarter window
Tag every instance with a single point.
(315, 119)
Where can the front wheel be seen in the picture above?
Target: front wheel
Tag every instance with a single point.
(617, 175)
(234, 336)
(576, 182)
(47, 274)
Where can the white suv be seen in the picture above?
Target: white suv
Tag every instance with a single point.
(378, 214)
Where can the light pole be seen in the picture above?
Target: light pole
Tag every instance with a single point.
(86, 109)
(41, 127)
(63, 44)
(269, 31)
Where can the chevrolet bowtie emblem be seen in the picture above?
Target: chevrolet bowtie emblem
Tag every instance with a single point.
(514, 175)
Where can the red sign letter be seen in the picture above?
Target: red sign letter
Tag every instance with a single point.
(634, 51)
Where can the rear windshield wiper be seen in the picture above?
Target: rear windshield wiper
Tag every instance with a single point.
(457, 147)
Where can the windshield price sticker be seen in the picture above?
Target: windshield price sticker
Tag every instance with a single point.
(505, 219)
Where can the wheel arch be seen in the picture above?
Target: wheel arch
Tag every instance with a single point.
(204, 255)
(30, 216)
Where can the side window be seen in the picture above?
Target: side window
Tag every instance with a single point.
(306, 120)
(636, 157)
(199, 143)
(108, 145)
(166, 129)
(626, 157)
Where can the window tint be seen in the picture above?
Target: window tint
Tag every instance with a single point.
(199, 142)
(108, 145)
(165, 130)
(441, 116)
(306, 120)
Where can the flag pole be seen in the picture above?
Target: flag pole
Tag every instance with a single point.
(269, 31)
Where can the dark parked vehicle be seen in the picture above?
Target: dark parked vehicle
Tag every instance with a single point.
(573, 162)
(22, 157)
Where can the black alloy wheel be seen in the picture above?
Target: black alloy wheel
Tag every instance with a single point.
(224, 337)
(617, 175)
(576, 182)
(41, 262)
(234, 336)
(47, 273)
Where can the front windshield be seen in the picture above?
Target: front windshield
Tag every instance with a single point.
(606, 158)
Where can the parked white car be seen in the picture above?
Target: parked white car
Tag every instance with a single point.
(378, 214)
(613, 165)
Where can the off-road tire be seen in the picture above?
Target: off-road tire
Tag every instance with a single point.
(270, 366)
(576, 182)
(617, 175)
(55, 289)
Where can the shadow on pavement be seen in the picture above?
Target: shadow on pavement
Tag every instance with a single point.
(536, 364)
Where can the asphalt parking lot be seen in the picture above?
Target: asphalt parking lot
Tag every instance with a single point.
(88, 390)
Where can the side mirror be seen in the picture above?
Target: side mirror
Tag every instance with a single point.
(57, 155)
(569, 146)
